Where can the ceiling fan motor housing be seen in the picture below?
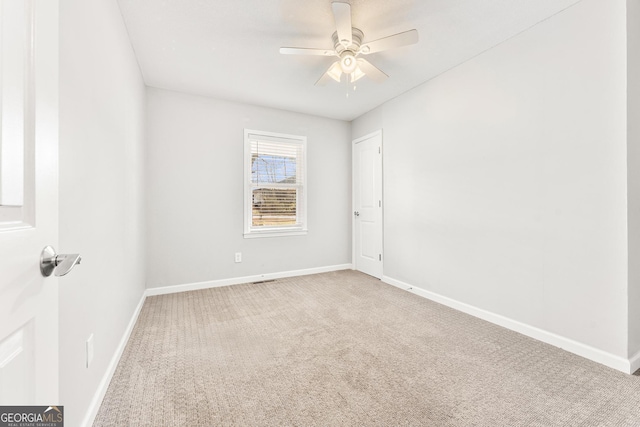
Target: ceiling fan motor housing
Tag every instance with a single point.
(347, 53)
(356, 40)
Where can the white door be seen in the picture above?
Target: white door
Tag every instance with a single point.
(367, 204)
(28, 201)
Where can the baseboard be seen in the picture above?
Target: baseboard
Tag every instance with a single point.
(246, 279)
(634, 363)
(106, 379)
(588, 352)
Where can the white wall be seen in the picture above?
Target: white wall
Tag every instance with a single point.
(194, 163)
(102, 101)
(505, 179)
(633, 176)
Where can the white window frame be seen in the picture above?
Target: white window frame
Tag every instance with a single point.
(301, 203)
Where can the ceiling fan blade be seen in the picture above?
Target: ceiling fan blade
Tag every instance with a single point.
(396, 40)
(306, 51)
(371, 70)
(342, 15)
(334, 72)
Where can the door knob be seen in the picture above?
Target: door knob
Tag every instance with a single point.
(59, 264)
(356, 213)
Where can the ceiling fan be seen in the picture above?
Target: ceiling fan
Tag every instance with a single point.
(348, 46)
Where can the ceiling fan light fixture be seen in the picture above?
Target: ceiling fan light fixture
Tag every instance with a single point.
(348, 62)
(357, 74)
(335, 73)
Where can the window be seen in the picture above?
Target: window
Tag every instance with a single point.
(275, 193)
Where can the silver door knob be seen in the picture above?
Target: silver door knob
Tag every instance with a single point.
(59, 264)
(356, 213)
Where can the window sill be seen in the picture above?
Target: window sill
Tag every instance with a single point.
(274, 233)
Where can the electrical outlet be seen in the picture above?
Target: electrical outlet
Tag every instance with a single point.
(238, 256)
(89, 350)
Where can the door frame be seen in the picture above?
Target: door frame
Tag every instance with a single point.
(353, 197)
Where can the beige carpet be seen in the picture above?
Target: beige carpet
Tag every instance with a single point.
(345, 349)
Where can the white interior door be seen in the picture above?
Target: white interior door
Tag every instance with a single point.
(367, 204)
(28, 201)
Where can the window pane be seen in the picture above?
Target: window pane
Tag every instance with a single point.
(274, 206)
(273, 169)
(274, 162)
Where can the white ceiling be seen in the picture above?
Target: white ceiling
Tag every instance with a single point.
(228, 49)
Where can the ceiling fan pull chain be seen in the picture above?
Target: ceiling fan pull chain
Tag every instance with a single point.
(346, 82)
